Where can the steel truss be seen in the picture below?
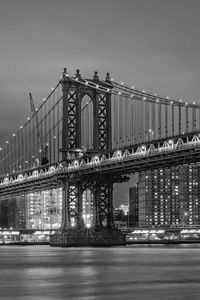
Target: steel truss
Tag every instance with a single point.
(73, 94)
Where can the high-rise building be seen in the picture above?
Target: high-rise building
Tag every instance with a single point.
(133, 206)
(20, 212)
(170, 196)
(13, 213)
(4, 214)
(44, 209)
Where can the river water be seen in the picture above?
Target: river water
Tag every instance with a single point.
(131, 272)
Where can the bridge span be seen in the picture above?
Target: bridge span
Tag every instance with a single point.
(94, 133)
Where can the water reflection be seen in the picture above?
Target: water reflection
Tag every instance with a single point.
(41, 272)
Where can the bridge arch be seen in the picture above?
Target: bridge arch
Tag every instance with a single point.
(87, 122)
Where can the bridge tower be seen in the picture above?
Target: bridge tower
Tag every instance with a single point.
(73, 231)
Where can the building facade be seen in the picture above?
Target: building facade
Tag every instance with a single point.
(133, 206)
(13, 213)
(170, 197)
(44, 209)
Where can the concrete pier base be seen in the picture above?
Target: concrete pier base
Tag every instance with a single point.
(99, 237)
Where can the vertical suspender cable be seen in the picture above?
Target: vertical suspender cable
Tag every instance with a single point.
(58, 132)
(5, 162)
(147, 120)
(126, 118)
(40, 132)
(25, 145)
(49, 131)
(179, 118)
(121, 122)
(142, 134)
(22, 153)
(153, 120)
(31, 141)
(172, 120)
(166, 120)
(132, 122)
(138, 109)
(159, 120)
(45, 125)
(129, 121)
(9, 157)
(54, 139)
(186, 117)
(193, 119)
(82, 126)
(11, 154)
(34, 139)
(143, 123)
(88, 123)
(115, 122)
(144, 106)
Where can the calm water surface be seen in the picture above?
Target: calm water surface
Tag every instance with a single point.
(131, 272)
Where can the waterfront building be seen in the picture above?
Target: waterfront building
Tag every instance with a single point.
(13, 213)
(4, 214)
(133, 206)
(44, 209)
(170, 197)
(20, 212)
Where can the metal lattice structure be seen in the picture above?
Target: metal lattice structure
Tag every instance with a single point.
(73, 93)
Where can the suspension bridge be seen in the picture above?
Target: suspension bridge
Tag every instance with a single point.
(89, 134)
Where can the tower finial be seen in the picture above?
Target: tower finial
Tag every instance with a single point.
(65, 74)
(78, 74)
(96, 77)
(108, 77)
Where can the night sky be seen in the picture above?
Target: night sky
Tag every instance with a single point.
(153, 44)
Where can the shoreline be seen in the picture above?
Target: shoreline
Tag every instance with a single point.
(160, 242)
(150, 242)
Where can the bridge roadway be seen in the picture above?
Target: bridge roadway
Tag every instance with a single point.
(164, 153)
